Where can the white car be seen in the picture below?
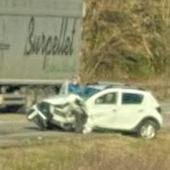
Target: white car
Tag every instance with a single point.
(118, 108)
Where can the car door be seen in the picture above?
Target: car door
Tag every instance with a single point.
(103, 109)
(130, 112)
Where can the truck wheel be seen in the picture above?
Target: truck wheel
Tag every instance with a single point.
(147, 129)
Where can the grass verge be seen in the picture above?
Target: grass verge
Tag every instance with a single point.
(90, 152)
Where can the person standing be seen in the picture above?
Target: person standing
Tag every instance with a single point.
(74, 86)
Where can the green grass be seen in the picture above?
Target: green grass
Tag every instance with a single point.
(97, 151)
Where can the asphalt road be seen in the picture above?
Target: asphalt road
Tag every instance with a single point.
(21, 127)
(13, 132)
(25, 127)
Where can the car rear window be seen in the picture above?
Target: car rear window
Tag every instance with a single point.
(130, 98)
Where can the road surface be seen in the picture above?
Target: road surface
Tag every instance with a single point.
(12, 126)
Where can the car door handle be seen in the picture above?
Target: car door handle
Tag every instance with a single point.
(141, 110)
(114, 110)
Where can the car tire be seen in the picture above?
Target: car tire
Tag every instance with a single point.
(68, 127)
(147, 129)
(40, 124)
(50, 126)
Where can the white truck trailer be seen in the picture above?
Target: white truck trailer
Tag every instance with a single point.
(39, 48)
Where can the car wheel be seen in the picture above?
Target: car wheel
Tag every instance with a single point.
(40, 123)
(68, 128)
(50, 126)
(148, 129)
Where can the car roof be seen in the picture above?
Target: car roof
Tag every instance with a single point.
(107, 83)
(101, 85)
(124, 89)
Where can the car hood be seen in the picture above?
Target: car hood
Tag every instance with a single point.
(62, 99)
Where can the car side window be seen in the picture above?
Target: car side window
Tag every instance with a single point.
(109, 98)
(130, 98)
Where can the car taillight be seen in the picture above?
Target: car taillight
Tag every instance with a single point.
(159, 109)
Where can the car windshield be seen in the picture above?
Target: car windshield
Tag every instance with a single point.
(87, 91)
(84, 92)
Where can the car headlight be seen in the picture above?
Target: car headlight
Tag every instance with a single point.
(52, 109)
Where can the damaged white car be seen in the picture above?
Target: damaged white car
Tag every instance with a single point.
(117, 108)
